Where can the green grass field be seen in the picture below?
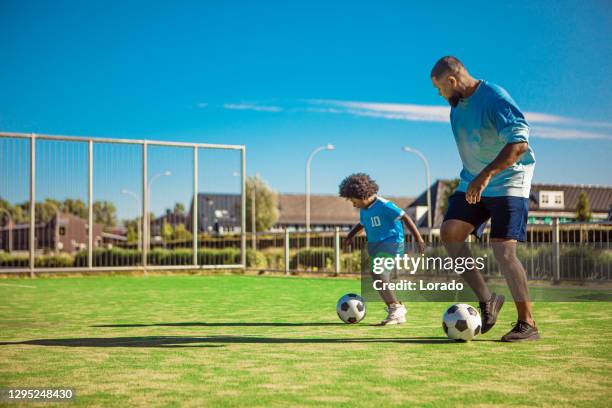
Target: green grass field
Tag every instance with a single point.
(233, 340)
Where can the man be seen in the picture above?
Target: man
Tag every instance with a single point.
(492, 138)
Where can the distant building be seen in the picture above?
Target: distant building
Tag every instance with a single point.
(217, 213)
(64, 232)
(440, 190)
(171, 218)
(550, 201)
(326, 212)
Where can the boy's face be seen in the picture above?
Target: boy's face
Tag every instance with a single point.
(359, 202)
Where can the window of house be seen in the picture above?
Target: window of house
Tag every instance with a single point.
(552, 199)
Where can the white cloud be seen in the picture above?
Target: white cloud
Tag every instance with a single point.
(565, 134)
(410, 112)
(435, 113)
(252, 106)
(554, 126)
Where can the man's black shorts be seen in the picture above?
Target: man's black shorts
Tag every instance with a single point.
(508, 215)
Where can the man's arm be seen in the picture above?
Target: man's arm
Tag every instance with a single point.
(506, 158)
(354, 231)
(414, 231)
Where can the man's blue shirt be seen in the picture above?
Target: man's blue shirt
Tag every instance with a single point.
(482, 125)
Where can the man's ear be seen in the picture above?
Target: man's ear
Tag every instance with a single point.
(452, 80)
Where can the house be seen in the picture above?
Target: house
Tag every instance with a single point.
(218, 213)
(440, 190)
(64, 232)
(171, 218)
(550, 201)
(221, 213)
(326, 212)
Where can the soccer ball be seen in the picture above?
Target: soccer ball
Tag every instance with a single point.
(351, 308)
(461, 322)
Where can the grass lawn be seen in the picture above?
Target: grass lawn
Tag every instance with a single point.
(233, 340)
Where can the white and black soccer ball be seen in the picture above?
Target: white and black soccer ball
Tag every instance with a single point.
(461, 322)
(351, 308)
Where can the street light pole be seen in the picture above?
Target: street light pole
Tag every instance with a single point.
(308, 165)
(155, 177)
(427, 187)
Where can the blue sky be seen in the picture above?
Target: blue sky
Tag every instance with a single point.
(285, 77)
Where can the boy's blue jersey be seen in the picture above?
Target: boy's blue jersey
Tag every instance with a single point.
(382, 221)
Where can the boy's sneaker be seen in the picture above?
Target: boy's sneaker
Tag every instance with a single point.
(396, 314)
(522, 331)
(489, 311)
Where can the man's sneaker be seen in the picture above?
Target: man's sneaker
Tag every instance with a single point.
(489, 311)
(522, 331)
(396, 314)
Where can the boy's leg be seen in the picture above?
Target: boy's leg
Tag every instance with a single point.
(387, 295)
(396, 311)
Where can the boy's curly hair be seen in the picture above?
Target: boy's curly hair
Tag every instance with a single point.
(358, 185)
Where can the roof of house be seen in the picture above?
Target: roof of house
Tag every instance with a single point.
(600, 197)
(324, 209)
(439, 189)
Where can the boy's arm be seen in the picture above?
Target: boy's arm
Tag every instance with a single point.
(354, 231)
(414, 231)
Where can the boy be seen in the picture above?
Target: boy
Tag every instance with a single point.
(383, 222)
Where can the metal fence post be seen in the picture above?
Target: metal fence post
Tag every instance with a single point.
(195, 205)
(556, 258)
(145, 209)
(90, 218)
(243, 210)
(32, 203)
(287, 260)
(253, 216)
(337, 249)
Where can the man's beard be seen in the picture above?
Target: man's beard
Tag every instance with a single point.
(453, 100)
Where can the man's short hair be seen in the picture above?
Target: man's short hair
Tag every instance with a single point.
(447, 65)
(358, 185)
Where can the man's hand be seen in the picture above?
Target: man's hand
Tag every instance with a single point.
(421, 246)
(476, 187)
(348, 242)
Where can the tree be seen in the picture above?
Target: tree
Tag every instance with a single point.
(133, 227)
(179, 209)
(46, 210)
(105, 213)
(181, 233)
(4, 208)
(75, 207)
(583, 209)
(451, 187)
(266, 204)
(167, 232)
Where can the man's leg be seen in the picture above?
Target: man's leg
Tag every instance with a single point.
(515, 275)
(508, 226)
(453, 234)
